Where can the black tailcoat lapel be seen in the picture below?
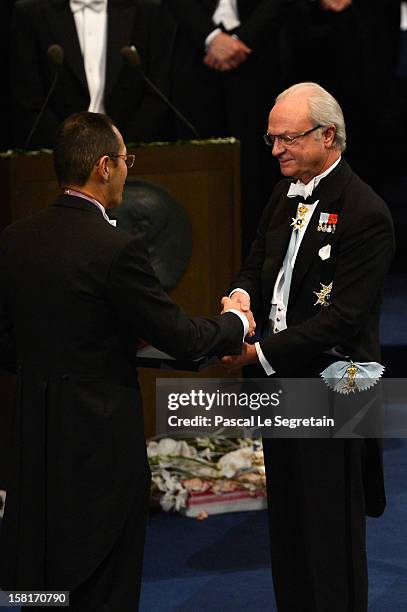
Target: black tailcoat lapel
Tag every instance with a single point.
(121, 17)
(62, 25)
(328, 192)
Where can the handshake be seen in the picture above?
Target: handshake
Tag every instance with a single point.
(240, 300)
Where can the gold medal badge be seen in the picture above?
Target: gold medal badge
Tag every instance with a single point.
(324, 296)
(298, 222)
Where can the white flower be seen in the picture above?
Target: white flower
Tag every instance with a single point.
(175, 495)
(167, 501)
(158, 481)
(167, 446)
(185, 450)
(152, 449)
(233, 462)
(181, 499)
(171, 482)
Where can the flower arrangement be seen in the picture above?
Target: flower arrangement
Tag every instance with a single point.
(181, 468)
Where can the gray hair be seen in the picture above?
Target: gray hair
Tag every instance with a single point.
(324, 109)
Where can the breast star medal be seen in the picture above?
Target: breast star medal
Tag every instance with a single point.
(324, 296)
(298, 222)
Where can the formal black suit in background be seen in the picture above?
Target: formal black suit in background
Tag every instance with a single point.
(6, 9)
(236, 102)
(138, 113)
(319, 490)
(76, 294)
(354, 55)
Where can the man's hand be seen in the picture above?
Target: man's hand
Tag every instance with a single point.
(247, 356)
(242, 299)
(226, 53)
(229, 304)
(335, 5)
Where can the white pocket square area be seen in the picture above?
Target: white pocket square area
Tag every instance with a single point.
(325, 252)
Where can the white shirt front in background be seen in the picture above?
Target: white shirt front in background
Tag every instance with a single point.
(227, 14)
(91, 26)
(403, 19)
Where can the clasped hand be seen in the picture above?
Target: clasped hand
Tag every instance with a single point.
(243, 307)
(337, 6)
(226, 53)
(240, 300)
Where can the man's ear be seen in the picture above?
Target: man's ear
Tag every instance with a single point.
(329, 135)
(102, 168)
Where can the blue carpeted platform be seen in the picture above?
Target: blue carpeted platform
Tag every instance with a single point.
(393, 321)
(222, 564)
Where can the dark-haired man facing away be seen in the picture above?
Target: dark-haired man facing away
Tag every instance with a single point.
(76, 294)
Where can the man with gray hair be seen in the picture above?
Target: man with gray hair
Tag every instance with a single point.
(314, 279)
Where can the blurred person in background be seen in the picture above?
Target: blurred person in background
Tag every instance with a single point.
(224, 80)
(6, 8)
(351, 48)
(94, 75)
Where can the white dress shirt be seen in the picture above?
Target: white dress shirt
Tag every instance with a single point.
(91, 26)
(277, 299)
(227, 13)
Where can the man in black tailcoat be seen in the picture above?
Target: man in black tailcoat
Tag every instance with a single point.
(100, 80)
(314, 278)
(225, 68)
(76, 294)
(351, 48)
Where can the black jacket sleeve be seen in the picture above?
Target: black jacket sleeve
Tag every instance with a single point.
(141, 303)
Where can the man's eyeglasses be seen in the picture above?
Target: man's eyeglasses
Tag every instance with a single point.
(269, 139)
(128, 158)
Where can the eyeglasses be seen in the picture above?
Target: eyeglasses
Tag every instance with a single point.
(269, 139)
(128, 158)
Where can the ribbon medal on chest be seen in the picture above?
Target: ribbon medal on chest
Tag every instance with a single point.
(327, 222)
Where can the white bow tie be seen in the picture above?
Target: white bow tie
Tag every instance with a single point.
(94, 5)
(299, 189)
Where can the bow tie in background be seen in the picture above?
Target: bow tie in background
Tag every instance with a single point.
(94, 5)
(301, 190)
